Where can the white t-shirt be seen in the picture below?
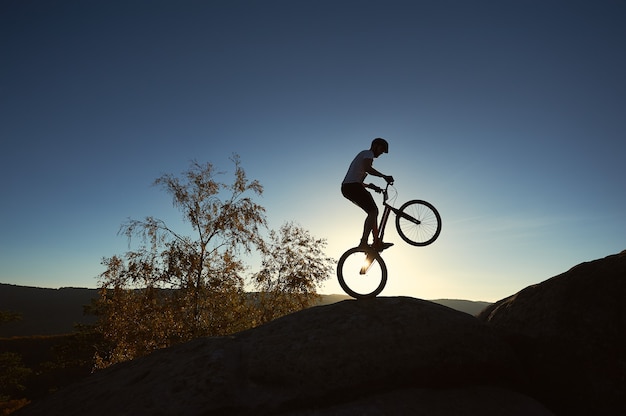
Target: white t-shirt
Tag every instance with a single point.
(356, 171)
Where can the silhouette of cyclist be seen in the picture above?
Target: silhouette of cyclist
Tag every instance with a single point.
(353, 189)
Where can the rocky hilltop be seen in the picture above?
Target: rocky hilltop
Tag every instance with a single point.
(391, 354)
(570, 333)
(553, 348)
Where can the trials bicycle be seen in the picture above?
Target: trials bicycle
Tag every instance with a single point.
(361, 271)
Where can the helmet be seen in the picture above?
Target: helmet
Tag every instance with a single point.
(381, 141)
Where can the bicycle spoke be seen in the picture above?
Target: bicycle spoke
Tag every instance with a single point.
(418, 223)
(361, 274)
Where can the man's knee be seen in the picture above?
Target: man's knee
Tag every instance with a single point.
(372, 212)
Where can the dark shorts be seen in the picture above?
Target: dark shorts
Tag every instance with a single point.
(357, 193)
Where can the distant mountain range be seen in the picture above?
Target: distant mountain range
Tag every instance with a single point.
(57, 311)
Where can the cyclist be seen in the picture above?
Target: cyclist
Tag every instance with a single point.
(353, 189)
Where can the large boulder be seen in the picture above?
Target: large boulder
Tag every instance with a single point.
(384, 355)
(570, 332)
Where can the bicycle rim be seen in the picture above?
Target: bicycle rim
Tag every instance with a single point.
(362, 273)
(429, 226)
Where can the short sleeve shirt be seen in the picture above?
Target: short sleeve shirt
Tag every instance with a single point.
(356, 171)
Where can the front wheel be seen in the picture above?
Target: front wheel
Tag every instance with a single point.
(418, 223)
(362, 273)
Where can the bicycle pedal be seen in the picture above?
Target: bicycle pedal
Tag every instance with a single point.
(381, 247)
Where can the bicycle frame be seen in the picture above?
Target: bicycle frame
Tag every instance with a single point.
(355, 273)
(387, 210)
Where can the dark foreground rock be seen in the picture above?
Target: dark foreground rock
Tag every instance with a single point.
(381, 356)
(570, 332)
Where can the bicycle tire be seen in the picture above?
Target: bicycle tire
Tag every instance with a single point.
(355, 284)
(425, 230)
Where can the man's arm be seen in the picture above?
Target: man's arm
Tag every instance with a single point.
(370, 170)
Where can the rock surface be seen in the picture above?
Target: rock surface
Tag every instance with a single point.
(558, 347)
(570, 332)
(380, 356)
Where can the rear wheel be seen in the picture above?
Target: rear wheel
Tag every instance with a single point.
(418, 223)
(362, 273)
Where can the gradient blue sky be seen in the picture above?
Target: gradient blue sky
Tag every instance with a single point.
(509, 116)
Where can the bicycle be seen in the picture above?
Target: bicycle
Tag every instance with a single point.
(361, 271)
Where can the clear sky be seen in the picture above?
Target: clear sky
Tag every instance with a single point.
(508, 116)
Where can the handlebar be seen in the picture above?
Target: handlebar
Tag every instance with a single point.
(378, 189)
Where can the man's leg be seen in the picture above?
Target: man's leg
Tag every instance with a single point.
(357, 193)
(370, 226)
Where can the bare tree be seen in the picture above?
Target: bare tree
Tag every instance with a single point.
(176, 287)
(13, 373)
(293, 267)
